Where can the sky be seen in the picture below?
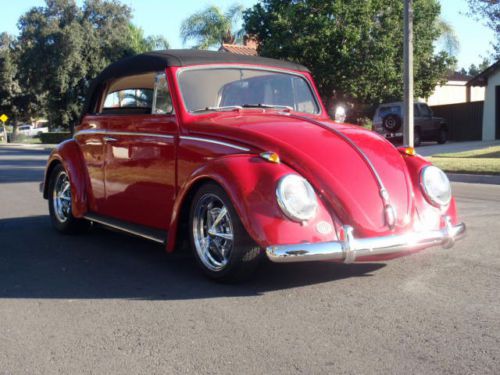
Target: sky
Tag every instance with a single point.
(164, 17)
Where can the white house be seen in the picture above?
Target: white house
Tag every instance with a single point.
(490, 78)
(455, 91)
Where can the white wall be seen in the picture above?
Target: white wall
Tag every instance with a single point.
(454, 92)
(489, 107)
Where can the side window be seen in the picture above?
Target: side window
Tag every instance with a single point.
(162, 101)
(129, 98)
(416, 111)
(424, 110)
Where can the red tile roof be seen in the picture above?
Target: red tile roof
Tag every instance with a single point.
(239, 49)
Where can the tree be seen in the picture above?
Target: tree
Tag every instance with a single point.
(140, 44)
(475, 70)
(62, 47)
(447, 36)
(212, 27)
(9, 87)
(490, 11)
(353, 48)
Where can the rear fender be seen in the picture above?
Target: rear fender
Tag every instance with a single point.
(250, 182)
(69, 155)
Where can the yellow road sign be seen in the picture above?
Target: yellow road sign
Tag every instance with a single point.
(4, 117)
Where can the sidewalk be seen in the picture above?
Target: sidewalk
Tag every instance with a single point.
(433, 148)
(31, 146)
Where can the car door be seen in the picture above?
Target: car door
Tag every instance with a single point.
(428, 128)
(140, 153)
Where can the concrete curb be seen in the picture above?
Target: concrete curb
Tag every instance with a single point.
(474, 178)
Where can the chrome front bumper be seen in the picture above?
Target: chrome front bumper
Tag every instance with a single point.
(352, 248)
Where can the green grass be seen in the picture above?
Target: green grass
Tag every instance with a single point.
(483, 161)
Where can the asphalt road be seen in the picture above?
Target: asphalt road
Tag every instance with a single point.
(106, 303)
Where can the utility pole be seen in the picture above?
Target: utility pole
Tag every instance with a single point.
(408, 74)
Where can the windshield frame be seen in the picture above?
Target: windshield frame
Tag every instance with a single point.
(180, 71)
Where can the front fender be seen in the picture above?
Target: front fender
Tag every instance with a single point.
(250, 183)
(429, 214)
(68, 153)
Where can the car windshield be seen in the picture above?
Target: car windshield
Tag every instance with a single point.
(228, 88)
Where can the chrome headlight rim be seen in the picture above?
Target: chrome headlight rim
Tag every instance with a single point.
(280, 197)
(435, 201)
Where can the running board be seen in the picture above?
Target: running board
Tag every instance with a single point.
(156, 235)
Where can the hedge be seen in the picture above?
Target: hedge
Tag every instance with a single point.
(54, 138)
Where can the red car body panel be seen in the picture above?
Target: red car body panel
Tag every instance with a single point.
(147, 179)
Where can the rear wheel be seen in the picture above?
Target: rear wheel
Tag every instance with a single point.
(222, 247)
(60, 203)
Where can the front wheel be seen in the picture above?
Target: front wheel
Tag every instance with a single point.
(221, 246)
(443, 136)
(60, 203)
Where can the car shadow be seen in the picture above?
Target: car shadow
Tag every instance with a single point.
(38, 262)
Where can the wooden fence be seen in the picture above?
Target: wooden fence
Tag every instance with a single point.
(465, 120)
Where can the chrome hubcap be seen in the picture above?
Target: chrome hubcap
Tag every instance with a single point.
(61, 197)
(212, 232)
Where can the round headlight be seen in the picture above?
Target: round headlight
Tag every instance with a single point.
(297, 198)
(436, 186)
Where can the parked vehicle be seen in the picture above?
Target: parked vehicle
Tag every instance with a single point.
(237, 156)
(388, 121)
(31, 130)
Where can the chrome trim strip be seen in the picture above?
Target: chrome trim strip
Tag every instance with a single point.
(107, 132)
(207, 140)
(352, 248)
(124, 229)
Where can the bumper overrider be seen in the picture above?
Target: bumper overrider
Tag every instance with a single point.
(352, 248)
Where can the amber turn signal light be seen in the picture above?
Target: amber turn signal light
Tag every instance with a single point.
(270, 156)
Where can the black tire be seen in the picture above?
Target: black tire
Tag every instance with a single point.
(417, 140)
(70, 225)
(243, 255)
(392, 123)
(443, 136)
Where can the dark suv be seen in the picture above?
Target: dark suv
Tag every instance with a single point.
(388, 120)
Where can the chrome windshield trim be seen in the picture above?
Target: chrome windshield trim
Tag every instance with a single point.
(207, 140)
(352, 248)
(106, 132)
(251, 67)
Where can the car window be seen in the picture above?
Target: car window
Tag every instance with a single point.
(424, 110)
(162, 101)
(24, 128)
(129, 98)
(416, 111)
(211, 88)
(390, 110)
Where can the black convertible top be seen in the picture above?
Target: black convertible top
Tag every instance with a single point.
(159, 60)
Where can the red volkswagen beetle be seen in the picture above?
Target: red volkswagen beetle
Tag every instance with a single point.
(237, 155)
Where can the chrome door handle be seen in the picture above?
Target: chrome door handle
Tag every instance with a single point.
(109, 139)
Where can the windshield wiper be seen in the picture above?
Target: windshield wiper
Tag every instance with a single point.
(264, 105)
(219, 109)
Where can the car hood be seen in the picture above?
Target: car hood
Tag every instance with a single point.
(333, 165)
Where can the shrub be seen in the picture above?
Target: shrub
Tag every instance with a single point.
(55, 137)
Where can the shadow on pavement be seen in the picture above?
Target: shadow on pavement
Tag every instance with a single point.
(37, 262)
